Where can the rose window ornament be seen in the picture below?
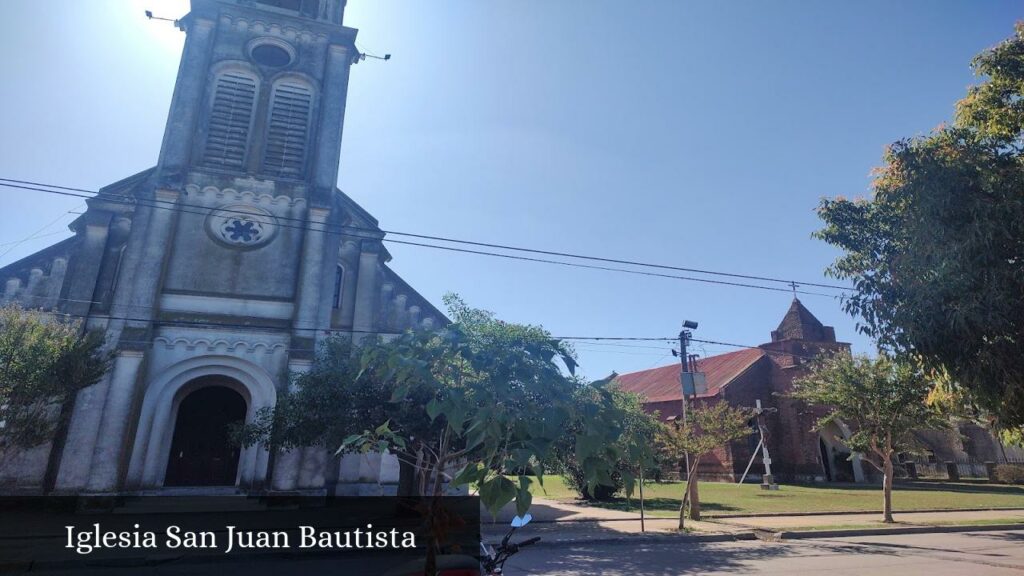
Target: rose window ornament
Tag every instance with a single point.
(241, 226)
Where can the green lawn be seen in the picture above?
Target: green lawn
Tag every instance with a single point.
(720, 499)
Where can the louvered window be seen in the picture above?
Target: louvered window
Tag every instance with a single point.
(230, 122)
(288, 129)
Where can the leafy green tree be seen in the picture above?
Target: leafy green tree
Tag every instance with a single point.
(498, 400)
(480, 402)
(936, 255)
(477, 402)
(44, 361)
(707, 428)
(629, 450)
(882, 400)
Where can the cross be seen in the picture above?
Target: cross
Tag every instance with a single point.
(246, 231)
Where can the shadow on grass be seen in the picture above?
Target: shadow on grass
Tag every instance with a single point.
(652, 504)
(979, 487)
(963, 487)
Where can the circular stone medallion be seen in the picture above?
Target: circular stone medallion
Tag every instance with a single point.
(241, 226)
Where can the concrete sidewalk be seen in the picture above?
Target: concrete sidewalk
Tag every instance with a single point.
(562, 522)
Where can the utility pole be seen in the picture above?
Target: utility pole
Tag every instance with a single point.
(688, 385)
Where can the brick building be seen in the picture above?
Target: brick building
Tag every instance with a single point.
(766, 373)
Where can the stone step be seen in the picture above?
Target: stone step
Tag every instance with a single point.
(164, 504)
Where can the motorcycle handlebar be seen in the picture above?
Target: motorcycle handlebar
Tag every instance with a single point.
(529, 542)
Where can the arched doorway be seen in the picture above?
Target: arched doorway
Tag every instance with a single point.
(201, 451)
(840, 464)
(826, 458)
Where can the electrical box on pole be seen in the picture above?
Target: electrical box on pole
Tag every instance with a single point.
(694, 383)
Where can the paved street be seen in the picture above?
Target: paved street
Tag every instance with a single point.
(974, 553)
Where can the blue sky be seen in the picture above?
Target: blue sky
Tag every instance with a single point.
(697, 134)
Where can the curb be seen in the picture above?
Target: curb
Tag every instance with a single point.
(647, 537)
(769, 535)
(713, 517)
(777, 536)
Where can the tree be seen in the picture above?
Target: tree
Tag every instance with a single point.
(478, 402)
(474, 403)
(883, 400)
(631, 450)
(495, 401)
(44, 361)
(936, 255)
(709, 427)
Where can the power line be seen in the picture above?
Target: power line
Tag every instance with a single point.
(33, 236)
(77, 192)
(608, 268)
(766, 350)
(205, 210)
(583, 339)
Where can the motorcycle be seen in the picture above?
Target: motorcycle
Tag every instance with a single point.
(491, 563)
(494, 559)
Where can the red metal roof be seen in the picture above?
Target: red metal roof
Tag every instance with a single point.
(662, 384)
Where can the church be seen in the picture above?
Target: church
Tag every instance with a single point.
(798, 452)
(215, 274)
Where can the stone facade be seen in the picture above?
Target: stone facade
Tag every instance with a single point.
(223, 266)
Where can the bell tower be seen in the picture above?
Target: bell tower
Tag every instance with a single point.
(260, 95)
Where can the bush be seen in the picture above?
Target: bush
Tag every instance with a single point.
(1010, 473)
(574, 479)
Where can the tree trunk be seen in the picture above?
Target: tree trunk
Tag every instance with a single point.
(694, 498)
(682, 507)
(689, 490)
(887, 473)
(406, 475)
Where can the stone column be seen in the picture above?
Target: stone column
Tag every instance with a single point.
(308, 297)
(401, 314)
(286, 470)
(385, 306)
(311, 473)
(136, 295)
(107, 456)
(33, 293)
(85, 267)
(141, 273)
(366, 289)
(193, 74)
(332, 118)
(11, 289)
(81, 436)
(55, 281)
(288, 463)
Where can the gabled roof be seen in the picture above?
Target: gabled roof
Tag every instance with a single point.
(662, 384)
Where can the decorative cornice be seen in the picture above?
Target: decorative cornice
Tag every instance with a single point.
(260, 26)
(231, 194)
(219, 345)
